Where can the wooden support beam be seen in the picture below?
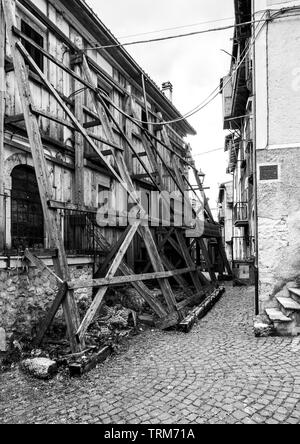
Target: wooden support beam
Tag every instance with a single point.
(2, 115)
(199, 312)
(196, 276)
(207, 259)
(91, 124)
(90, 315)
(123, 280)
(42, 173)
(37, 262)
(14, 119)
(145, 232)
(53, 118)
(111, 254)
(178, 277)
(56, 205)
(79, 144)
(160, 247)
(59, 300)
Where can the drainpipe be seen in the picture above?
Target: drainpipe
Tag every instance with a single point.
(255, 179)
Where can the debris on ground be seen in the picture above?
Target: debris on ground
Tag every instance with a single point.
(263, 328)
(41, 368)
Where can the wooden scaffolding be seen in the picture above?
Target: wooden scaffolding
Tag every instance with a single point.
(169, 312)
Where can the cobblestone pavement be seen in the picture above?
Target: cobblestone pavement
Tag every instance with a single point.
(219, 373)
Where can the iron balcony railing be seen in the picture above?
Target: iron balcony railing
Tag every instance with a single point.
(243, 248)
(241, 214)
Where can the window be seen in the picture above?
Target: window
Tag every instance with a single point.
(37, 38)
(27, 221)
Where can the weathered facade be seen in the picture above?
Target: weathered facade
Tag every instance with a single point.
(82, 129)
(261, 102)
(225, 215)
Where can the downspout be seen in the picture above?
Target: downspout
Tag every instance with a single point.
(255, 178)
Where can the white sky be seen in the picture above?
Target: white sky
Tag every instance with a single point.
(194, 65)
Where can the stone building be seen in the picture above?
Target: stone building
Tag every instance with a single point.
(94, 120)
(261, 97)
(225, 215)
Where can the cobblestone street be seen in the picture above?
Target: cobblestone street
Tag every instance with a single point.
(219, 373)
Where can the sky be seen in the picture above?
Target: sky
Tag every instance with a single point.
(194, 65)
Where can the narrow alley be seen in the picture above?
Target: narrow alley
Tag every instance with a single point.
(218, 373)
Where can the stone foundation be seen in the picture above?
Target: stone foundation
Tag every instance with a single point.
(27, 293)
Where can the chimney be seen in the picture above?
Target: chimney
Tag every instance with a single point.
(167, 89)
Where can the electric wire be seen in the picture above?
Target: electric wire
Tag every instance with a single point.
(172, 37)
(215, 93)
(177, 27)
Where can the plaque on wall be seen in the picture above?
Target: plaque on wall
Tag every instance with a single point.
(268, 172)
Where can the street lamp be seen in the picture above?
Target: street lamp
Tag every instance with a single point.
(202, 177)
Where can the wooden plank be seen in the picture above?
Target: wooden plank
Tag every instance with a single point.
(37, 262)
(199, 312)
(143, 231)
(21, 73)
(90, 315)
(91, 124)
(2, 115)
(59, 300)
(79, 369)
(121, 280)
(71, 207)
(79, 144)
(111, 254)
(14, 119)
(189, 261)
(158, 266)
(178, 278)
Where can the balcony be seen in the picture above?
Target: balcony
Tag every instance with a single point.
(241, 217)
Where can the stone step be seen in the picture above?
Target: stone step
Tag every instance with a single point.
(277, 315)
(289, 304)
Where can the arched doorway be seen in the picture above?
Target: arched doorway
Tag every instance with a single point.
(27, 221)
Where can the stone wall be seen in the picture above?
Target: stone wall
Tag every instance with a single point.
(25, 295)
(278, 223)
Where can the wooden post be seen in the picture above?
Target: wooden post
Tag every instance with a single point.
(2, 115)
(144, 231)
(90, 315)
(79, 143)
(42, 173)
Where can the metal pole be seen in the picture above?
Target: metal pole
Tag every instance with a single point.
(256, 264)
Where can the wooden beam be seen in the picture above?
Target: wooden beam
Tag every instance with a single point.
(178, 278)
(122, 280)
(14, 119)
(42, 173)
(90, 315)
(59, 300)
(37, 262)
(71, 207)
(145, 232)
(207, 259)
(199, 312)
(196, 276)
(2, 115)
(111, 254)
(91, 124)
(79, 144)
